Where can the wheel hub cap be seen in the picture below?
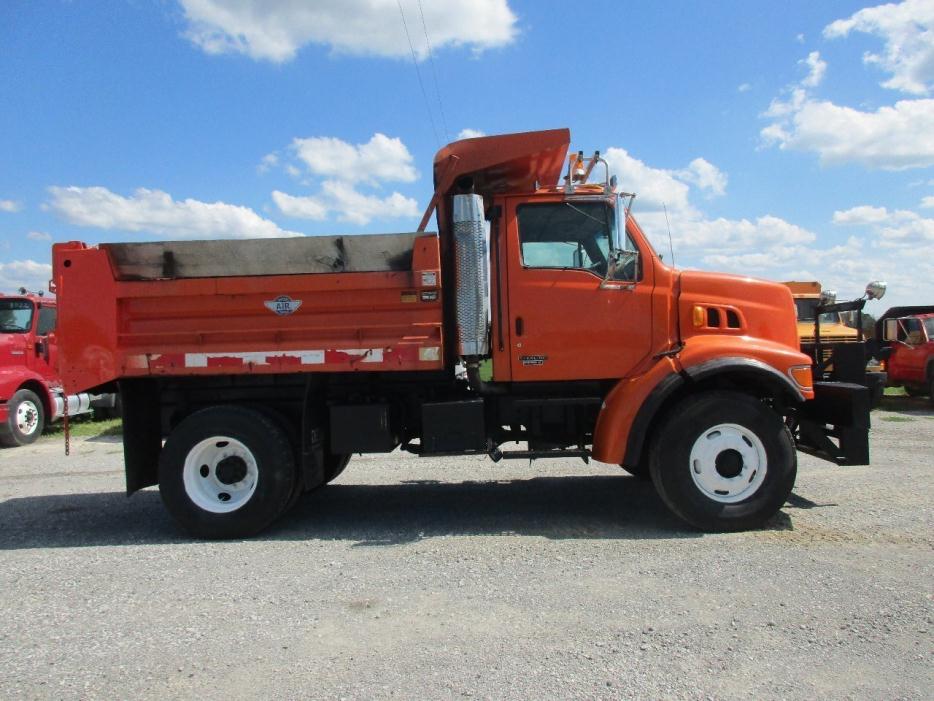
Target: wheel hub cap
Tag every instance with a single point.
(728, 463)
(27, 418)
(220, 474)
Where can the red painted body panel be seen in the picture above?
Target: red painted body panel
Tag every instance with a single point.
(214, 326)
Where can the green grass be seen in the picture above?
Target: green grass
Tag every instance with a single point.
(86, 427)
(895, 392)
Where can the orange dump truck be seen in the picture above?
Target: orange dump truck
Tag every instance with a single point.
(251, 371)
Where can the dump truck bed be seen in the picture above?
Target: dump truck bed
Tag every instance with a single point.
(306, 304)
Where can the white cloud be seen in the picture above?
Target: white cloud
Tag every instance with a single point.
(380, 159)
(347, 203)
(816, 69)
(867, 215)
(267, 163)
(928, 202)
(908, 31)
(274, 30)
(744, 87)
(799, 38)
(706, 176)
(470, 133)
(893, 137)
(655, 186)
(9, 206)
(30, 274)
(896, 228)
(300, 207)
(38, 236)
(156, 212)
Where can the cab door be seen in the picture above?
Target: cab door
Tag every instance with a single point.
(44, 348)
(564, 323)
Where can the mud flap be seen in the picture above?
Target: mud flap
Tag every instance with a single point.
(834, 425)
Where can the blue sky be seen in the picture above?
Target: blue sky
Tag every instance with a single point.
(787, 140)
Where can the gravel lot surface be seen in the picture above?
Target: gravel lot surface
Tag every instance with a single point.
(423, 578)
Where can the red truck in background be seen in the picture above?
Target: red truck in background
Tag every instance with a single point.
(250, 371)
(908, 355)
(31, 394)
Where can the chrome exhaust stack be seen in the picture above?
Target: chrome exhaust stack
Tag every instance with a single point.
(472, 275)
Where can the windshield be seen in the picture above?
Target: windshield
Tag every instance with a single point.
(15, 315)
(808, 307)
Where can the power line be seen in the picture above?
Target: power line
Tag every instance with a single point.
(434, 73)
(418, 73)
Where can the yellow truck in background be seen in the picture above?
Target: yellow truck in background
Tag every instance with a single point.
(838, 348)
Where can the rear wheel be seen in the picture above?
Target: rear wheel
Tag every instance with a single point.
(226, 472)
(26, 420)
(334, 465)
(915, 390)
(723, 461)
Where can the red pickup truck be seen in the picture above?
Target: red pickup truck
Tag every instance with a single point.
(31, 392)
(909, 357)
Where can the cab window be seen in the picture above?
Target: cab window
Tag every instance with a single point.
(909, 331)
(566, 235)
(46, 324)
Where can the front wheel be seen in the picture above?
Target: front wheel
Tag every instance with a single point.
(723, 461)
(26, 419)
(226, 472)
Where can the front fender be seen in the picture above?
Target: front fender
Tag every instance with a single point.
(633, 405)
(14, 378)
(622, 405)
(706, 356)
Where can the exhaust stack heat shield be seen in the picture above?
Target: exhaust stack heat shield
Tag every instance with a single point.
(473, 276)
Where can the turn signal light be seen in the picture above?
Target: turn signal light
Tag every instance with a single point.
(801, 374)
(699, 314)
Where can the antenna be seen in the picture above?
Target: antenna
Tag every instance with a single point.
(670, 246)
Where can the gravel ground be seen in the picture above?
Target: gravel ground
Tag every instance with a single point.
(424, 578)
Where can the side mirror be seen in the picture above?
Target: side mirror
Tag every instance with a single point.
(890, 330)
(875, 290)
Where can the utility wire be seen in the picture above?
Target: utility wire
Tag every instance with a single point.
(434, 73)
(418, 73)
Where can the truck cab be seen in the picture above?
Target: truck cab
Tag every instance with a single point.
(31, 394)
(909, 361)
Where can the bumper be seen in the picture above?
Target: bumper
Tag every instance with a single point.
(834, 425)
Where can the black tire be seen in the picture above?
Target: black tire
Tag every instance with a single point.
(334, 465)
(640, 472)
(915, 391)
(263, 496)
(931, 390)
(26, 420)
(727, 418)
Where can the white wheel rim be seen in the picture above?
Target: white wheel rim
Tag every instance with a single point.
(220, 474)
(27, 417)
(728, 463)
